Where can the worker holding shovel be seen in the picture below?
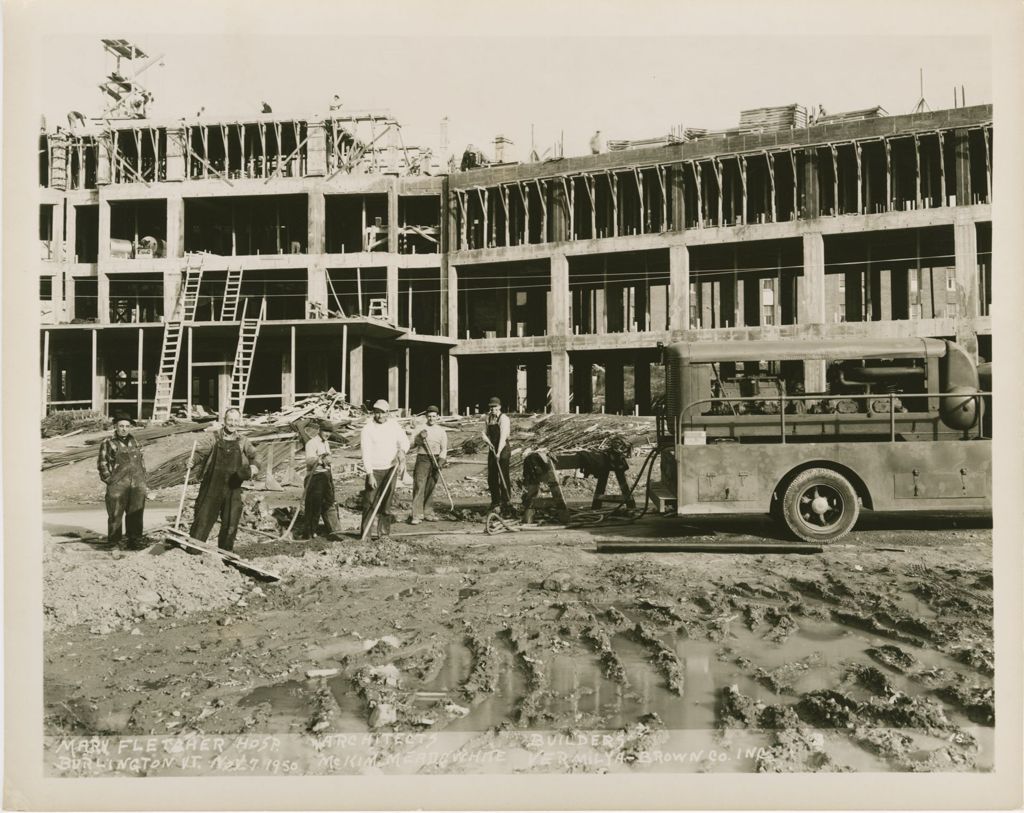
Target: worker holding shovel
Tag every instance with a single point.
(431, 454)
(497, 430)
(384, 447)
(319, 483)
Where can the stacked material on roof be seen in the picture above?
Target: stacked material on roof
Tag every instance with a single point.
(770, 119)
(853, 115)
(615, 145)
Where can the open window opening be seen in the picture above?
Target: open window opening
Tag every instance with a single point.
(980, 147)
(358, 292)
(356, 223)
(985, 268)
(86, 298)
(138, 229)
(419, 300)
(46, 245)
(261, 149)
(619, 293)
(285, 292)
(419, 219)
(136, 298)
(503, 301)
(139, 155)
(245, 226)
(83, 155)
(521, 380)
(87, 230)
(890, 275)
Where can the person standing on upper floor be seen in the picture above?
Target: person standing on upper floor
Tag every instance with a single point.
(497, 430)
(123, 471)
(230, 461)
(384, 446)
(431, 456)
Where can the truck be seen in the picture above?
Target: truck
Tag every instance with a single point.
(903, 424)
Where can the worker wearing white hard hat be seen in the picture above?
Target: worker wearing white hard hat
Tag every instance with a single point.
(384, 446)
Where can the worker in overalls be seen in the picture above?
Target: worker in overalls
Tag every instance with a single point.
(123, 470)
(497, 429)
(230, 462)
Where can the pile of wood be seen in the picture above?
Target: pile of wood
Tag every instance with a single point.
(772, 119)
(852, 115)
(52, 459)
(72, 422)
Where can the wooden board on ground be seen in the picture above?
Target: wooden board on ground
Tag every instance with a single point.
(183, 540)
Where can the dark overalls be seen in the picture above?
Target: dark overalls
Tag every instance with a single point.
(499, 494)
(220, 493)
(126, 493)
(319, 502)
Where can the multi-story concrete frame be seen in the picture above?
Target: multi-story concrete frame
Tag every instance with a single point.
(541, 274)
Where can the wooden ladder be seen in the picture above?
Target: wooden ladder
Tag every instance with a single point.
(378, 309)
(170, 349)
(232, 288)
(247, 336)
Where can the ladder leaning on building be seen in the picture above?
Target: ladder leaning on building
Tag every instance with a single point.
(170, 350)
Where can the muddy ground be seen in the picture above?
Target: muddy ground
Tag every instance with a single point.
(451, 651)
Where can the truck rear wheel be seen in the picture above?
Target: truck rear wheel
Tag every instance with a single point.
(820, 505)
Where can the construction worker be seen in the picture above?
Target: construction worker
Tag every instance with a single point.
(431, 454)
(384, 446)
(319, 484)
(123, 470)
(231, 460)
(497, 429)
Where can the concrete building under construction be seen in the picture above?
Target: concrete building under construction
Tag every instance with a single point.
(212, 261)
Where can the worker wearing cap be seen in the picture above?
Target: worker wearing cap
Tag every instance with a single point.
(431, 453)
(384, 446)
(230, 460)
(319, 484)
(497, 429)
(123, 470)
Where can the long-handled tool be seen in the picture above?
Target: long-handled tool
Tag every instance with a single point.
(184, 486)
(287, 535)
(501, 474)
(378, 501)
(440, 475)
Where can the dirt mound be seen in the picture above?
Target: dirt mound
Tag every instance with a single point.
(90, 586)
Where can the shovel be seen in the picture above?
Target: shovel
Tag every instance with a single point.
(440, 476)
(501, 474)
(287, 535)
(184, 486)
(378, 501)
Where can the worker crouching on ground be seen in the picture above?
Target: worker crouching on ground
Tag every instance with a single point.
(319, 485)
(123, 470)
(431, 454)
(497, 430)
(230, 462)
(384, 447)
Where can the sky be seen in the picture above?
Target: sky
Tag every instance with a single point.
(560, 86)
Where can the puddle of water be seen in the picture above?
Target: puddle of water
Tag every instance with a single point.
(352, 714)
(288, 699)
(457, 666)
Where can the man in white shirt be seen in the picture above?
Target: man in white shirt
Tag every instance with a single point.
(384, 446)
(319, 483)
(431, 453)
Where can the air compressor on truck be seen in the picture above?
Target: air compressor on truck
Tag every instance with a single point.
(903, 425)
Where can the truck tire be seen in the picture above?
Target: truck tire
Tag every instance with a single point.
(820, 505)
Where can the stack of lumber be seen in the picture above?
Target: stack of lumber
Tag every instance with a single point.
(616, 144)
(771, 119)
(72, 421)
(852, 115)
(89, 448)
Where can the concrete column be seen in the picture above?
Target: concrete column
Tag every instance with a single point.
(99, 381)
(172, 287)
(582, 386)
(559, 381)
(965, 241)
(316, 214)
(558, 213)
(962, 167)
(176, 154)
(71, 234)
(451, 304)
(642, 383)
(316, 149)
(224, 388)
(104, 157)
(102, 298)
(885, 294)
(811, 197)
(811, 308)
(394, 394)
(677, 197)
(679, 287)
(558, 315)
(452, 405)
(614, 385)
(175, 226)
(355, 375)
(393, 216)
(392, 293)
(103, 246)
(287, 380)
(316, 286)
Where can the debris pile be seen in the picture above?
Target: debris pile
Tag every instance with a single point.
(72, 422)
